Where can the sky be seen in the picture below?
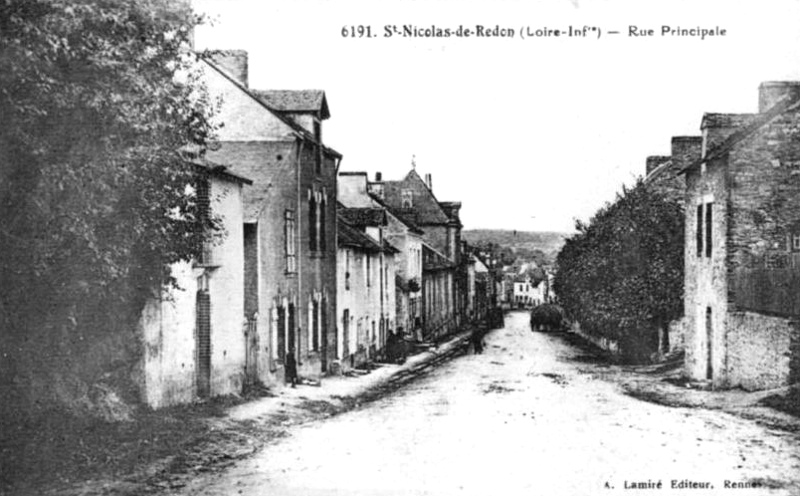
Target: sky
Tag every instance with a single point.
(528, 133)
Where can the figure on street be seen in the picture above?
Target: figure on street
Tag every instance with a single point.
(477, 340)
(291, 368)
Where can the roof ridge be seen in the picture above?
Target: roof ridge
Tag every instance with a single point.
(783, 105)
(293, 125)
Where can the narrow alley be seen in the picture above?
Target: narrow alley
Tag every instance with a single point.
(525, 417)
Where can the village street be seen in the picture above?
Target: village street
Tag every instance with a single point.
(526, 417)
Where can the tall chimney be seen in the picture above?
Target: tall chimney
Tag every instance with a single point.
(378, 177)
(770, 92)
(685, 150)
(233, 62)
(428, 181)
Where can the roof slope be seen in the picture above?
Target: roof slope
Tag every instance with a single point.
(352, 237)
(362, 217)
(297, 128)
(433, 260)
(747, 125)
(426, 208)
(299, 101)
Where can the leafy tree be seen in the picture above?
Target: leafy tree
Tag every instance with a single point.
(621, 276)
(94, 202)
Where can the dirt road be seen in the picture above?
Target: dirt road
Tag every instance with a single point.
(526, 417)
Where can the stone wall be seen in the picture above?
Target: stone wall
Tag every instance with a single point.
(758, 350)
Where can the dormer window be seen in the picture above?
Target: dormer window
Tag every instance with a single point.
(406, 199)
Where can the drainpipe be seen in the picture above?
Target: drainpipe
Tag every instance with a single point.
(335, 263)
(298, 310)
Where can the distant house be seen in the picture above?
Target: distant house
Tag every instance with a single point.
(484, 297)
(412, 200)
(743, 242)
(438, 303)
(381, 274)
(362, 291)
(275, 138)
(193, 341)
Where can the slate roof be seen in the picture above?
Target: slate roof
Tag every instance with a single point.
(361, 217)
(352, 237)
(408, 222)
(295, 101)
(389, 248)
(426, 208)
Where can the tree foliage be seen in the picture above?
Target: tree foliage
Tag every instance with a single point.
(621, 275)
(94, 202)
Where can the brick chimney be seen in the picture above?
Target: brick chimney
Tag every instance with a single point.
(234, 62)
(770, 92)
(654, 161)
(378, 177)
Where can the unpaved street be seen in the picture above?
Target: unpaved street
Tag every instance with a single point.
(526, 417)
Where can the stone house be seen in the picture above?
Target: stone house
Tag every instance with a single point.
(359, 294)
(275, 138)
(412, 200)
(193, 340)
(529, 293)
(484, 295)
(438, 303)
(380, 298)
(742, 242)
(402, 234)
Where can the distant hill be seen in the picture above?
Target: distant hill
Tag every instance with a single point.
(548, 242)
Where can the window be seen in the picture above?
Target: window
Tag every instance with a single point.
(281, 341)
(318, 159)
(347, 270)
(368, 271)
(290, 232)
(796, 241)
(709, 225)
(315, 327)
(312, 223)
(699, 231)
(274, 322)
(323, 242)
(406, 198)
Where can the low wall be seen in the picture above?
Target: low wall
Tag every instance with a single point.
(609, 345)
(758, 350)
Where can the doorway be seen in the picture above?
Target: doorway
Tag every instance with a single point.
(709, 345)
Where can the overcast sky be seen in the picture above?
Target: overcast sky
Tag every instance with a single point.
(528, 134)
